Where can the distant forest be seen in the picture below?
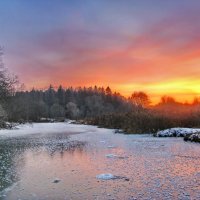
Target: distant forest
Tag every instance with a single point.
(62, 103)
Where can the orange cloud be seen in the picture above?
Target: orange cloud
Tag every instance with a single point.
(161, 58)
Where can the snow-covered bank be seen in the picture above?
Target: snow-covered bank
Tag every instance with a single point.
(176, 132)
(48, 128)
(195, 137)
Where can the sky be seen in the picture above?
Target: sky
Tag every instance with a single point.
(133, 45)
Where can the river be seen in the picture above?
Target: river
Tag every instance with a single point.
(64, 161)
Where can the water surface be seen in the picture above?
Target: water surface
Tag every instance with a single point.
(153, 168)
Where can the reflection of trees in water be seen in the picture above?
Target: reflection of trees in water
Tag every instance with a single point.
(53, 143)
(64, 146)
(12, 153)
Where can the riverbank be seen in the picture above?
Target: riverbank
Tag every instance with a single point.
(43, 128)
(189, 134)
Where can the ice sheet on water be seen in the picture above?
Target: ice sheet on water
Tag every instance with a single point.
(48, 128)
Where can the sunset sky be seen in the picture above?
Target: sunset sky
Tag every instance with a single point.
(132, 45)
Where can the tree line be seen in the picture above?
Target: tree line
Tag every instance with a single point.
(72, 103)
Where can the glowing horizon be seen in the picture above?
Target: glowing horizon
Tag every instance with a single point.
(185, 95)
(145, 46)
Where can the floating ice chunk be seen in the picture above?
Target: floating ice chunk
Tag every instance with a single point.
(115, 156)
(111, 156)
(111, 177)
(102, 141)
(105, 176)
(111, 146)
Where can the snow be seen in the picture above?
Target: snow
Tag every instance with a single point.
(105, 176)
(195, 137)
(110, 177)
(49, 128)
(176, 132)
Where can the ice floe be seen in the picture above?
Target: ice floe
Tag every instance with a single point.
(111, 147)
(111, 156)
(105, 176)
(115, 156)
(110, 177)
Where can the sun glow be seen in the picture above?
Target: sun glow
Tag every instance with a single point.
(182, 90)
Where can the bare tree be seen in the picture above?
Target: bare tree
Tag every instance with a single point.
(8, 82)
(7, 89)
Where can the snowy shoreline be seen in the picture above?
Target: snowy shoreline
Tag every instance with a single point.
(177, 132)
(40, 128)
(189, 134)
(49, 128)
